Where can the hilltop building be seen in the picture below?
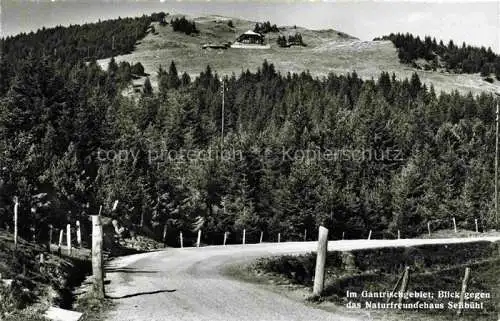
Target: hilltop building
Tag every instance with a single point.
(251, 37)
(251, 40)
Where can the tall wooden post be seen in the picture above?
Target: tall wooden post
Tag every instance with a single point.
(370, 235)
(78, 234)
(343, 235)
(279, 237)
(222, 118)
(61, 234)
(68, 238)
(305, 235)
(225, 238)
(319, 275)
(198, 239)
(244, 236)
(261, 236)
(429, 228)
(475, 223)
(16, 209)
(455, 225)
(404, 283)
(464, 288)
(181, 240)
(97, 260)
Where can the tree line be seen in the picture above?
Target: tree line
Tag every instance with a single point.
(69, 46)
(293, 40)
(184, 25)
(383, 154)
(461, 59)
(265, 27)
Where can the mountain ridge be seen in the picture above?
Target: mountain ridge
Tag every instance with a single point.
(327, 51)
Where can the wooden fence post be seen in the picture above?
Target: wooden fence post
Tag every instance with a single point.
(429, 228)
(343, 235)
(455, 225)
(97, 261)
(42, 262)
(399, 235)
(404, 283)
(370, 235)
(305, 235)
(244, 235)
(51, 229)
(475, 222)
(78, 234)
(261, 236)
(464, 288)
(279, 237)
(225, 238)
(181, 240)
(319, 275)
(33, 234)
(198, 240)
(165, 233)
(68, 238)
(16, 208)
(394, 288)
(61, 234)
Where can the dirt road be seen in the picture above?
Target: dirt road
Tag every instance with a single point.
(187, 284)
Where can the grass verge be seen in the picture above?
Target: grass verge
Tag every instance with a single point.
(432, 268)
(32, 287)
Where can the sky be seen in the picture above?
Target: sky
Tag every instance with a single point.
(475, 22)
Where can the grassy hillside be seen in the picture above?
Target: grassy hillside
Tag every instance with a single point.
(326, 51)
(36, 286)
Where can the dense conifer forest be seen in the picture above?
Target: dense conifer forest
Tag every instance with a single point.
(298, 151)
(462, 59)
(72, 44)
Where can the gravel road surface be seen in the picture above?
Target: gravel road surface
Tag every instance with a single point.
(188, 284)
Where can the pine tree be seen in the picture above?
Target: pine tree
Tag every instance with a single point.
(5, 75)
(185, 80)
(408, 188)
(173, 77)
(148, 89)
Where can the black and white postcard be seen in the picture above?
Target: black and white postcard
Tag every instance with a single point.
(253, 160)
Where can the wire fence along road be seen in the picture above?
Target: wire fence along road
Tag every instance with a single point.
(188, 285)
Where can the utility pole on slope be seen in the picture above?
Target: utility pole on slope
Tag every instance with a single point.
(222, 119)
(496, 166)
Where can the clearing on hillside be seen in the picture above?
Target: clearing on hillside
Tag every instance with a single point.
(326, 51)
